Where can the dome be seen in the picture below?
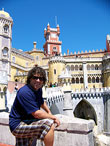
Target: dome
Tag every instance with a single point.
(4, 14)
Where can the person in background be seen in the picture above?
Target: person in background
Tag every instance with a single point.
(27, 121)
(16, 87)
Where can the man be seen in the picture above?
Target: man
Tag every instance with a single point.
(26, 120)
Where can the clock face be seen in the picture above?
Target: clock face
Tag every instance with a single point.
(53, 35)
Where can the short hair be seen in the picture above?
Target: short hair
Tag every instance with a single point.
(36, 70)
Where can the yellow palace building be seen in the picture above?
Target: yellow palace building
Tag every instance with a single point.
(79, 70)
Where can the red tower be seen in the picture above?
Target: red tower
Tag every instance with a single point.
(52, 45)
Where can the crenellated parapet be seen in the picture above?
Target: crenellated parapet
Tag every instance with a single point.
(55, 59)
(92, 93)
(54, 95)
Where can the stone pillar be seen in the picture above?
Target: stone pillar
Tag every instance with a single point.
(107, 113)
(67, 104)
(85, 75)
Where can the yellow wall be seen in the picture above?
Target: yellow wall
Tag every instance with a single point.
(59, 67)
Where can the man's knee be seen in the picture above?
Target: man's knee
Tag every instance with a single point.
(52, 127)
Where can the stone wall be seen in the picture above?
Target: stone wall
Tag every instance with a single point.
(71, 132)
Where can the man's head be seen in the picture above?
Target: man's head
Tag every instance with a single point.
(36, 77)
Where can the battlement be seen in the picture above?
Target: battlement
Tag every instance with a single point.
(92, 90)
(84, 52)
(57, 59)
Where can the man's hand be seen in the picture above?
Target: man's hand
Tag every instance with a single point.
(56, 121)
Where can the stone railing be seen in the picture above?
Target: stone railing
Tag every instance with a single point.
(72, 131)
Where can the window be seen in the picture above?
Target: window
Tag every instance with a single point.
(5, 51)
(92, 67)
(13, 59)
(77, 80)
(93, 79)
(37, 57)
(54, 49)
(81, 80)
(97, 80)
(6, 29)
(73, 80)
(100, 67)
(72, 67)
(89, 80)
(80, 67)
(96, 67)
(88, 67)
(26, 64)
(68, 68)
(54, 71)
(76, 67)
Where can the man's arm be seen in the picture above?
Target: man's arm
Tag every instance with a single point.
(39, 114)
(45, 107)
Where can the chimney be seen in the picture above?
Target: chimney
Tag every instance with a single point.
(68, 52)
(34, 43)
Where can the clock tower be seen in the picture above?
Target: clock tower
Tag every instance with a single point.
(52, 46)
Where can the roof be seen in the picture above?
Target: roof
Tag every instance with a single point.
(4, 14)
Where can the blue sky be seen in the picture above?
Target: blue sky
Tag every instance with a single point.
(84, 24)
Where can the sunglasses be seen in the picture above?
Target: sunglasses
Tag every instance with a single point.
(36, 78)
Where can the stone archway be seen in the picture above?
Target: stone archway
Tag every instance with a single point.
(54, 109)
(85, 110)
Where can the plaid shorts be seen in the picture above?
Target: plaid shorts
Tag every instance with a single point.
(26, 134)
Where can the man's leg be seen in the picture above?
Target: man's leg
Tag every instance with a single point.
(39, 130)
(49, 138)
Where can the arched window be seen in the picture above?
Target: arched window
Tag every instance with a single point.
(92, 67)
(96, 67)
(97, 80)
(77, 80)
(76, 67)
(100, 67)
(88, 67)
(80, 67)
(89, 79)
(73, 80)
(72, 67)
(16, 80)
(93, 79)
(6, 28)
(81, 80)
(68, 67)
(13, 59)
(5, 51)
